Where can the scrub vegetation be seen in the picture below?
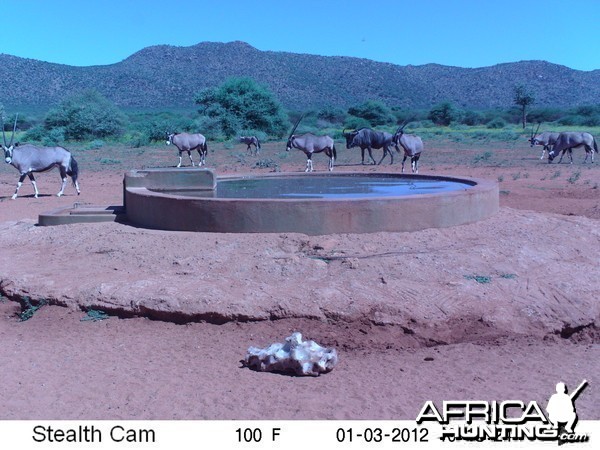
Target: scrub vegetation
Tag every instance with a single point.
(242, 106)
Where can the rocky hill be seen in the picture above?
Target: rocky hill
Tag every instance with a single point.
(163, 77)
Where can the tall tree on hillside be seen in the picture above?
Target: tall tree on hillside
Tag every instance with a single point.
(243, 104)
(523, 99)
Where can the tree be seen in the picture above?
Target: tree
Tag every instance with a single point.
(523, 99)
(442, 114)
(243, 104)
(374, 112)
(332, 115)
(471, 118)
(86, 115)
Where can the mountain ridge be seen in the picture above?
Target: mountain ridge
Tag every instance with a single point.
(166, 76)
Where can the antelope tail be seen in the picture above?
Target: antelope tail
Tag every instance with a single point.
(595, 146)
(258, 143)
(73, 171)
(334, 152)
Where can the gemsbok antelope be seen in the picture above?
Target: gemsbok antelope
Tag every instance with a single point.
(310, 144)
(547, 139)
(412, 145)
(186, 142)
(568, 140)
(28, 159)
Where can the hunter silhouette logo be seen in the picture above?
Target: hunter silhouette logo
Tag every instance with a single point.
(509, 420)
(561, 410)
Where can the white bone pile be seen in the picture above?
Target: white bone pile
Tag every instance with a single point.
(293, 356)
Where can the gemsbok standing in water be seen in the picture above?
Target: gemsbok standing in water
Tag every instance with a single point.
(547, 139)
(186, 142)
(568, 140)
(412, 145)
(309, 144)
(28, 159)
(250, 141)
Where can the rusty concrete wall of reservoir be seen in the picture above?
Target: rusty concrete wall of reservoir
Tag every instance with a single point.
(153, 209)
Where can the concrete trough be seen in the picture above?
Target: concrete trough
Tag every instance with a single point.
(188, 200)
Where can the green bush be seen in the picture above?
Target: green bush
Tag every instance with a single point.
(136, 139)
(242, 103)
(152, 127)
(35, 134)
(506, 135)
(592, 121)
(84, 116)
(587, 110)
(331, 115)
(484, 157)
(95, 144)
(480, 135)
(544, 115)
(24, 122)
(406, 116)
(56, 136)
(423, 124)
(460, 127)
(472, 118)
(356, 123)
(211, 127)
(496, 124)
(374, 113)
(580, 120)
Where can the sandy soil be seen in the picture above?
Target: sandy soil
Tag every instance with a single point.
(404, 310)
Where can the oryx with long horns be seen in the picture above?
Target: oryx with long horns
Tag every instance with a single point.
(309, 144)
(568, 140)
(412, 145)
(547, 139)
(186, 142)
(28, 159)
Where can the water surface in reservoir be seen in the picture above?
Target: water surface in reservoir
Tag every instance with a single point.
(325, 187)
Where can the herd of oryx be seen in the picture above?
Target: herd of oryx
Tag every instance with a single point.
(28, 159)
(309, 143)
(555, 143)
(365, 138)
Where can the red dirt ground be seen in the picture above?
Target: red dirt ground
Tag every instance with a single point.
(404, 311)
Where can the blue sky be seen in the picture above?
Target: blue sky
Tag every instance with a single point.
(465, 33)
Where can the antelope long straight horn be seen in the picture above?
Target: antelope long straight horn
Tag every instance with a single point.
(401, 127)
(3, 135)
(12, 138)
(536, 131)
(296, 125)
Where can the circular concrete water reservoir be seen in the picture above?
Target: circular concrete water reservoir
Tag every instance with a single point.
(314, 204)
